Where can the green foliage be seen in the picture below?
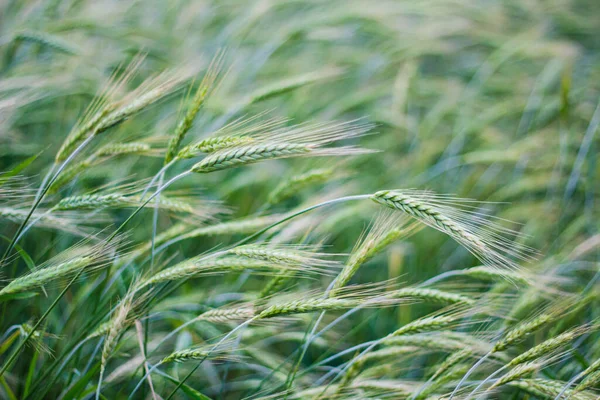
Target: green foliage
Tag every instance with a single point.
(299, 200)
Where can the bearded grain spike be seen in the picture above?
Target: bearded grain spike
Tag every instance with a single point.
(213, 144)
(80, 132)
(456, 218)
(426, 324)
(306, 306)
(43, 276)
(427, 214)
(249, 155)
(230, 314)
(114, 149)
(549, 389)
(516, 373)
(203, 91)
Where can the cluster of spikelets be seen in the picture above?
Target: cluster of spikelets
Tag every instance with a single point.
(247, 141)
(260, 304)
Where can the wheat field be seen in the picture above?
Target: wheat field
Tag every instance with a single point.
(299, 199)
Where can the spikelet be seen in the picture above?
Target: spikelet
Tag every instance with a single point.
(60, 221)
(518, 372)
(376, 387)
(445, 318)
(205, 210)
(67, 263)
(92, 201)
(82, 130)
(289, 142)
(439, 341)
(12, 214)
(307, 306)
(549, 389)
(204, 89)
(103, 104)
(387, 228)
(350, 297)
(149, 92)
(526, 327)
(548, 346)
(522, 330)
(37, 338)
(227, 314)
(493, 274)
(250, 154)
(195, 266)
(119, 200)
(102, 154)
(113, 149)
(47, 40)
(274, 285)
(358, 365)
(199, 266)
(590, 381)
(69, 174)
(459, 219)
(101, 330)
(591, 376)
(426, 324)
(240, 132)
(286, 254)
(117, 325)
(212, 144)
(289, 84)
(431, 295)
(198, 353)
(451, 361)
(294, 184)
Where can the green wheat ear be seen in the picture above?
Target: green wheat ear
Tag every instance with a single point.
(249, 155)
(453, 216)
(313, 282)
(70, 262)
(47, 40)
(204, 89)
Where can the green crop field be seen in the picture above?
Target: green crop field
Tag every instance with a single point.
(343, 199)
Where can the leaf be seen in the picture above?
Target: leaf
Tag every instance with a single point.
(16, 170)
(30, 264)
(17, 296)
(192, 393)
(81, 384)
(30, 373)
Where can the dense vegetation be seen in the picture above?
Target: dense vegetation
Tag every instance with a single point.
(299, 199)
